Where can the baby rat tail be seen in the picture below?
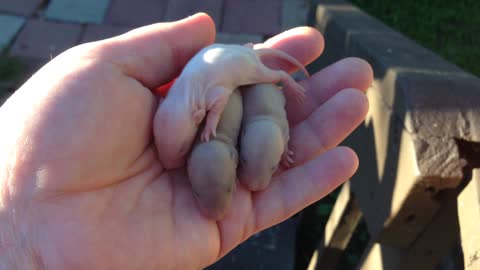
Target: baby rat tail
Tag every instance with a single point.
(269, 52)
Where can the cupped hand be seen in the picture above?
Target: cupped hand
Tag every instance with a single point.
(81, 187)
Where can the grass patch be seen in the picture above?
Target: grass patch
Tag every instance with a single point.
(11, 71)
(449, 28)
(10, 68)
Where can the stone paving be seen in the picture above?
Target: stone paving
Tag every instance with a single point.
(41, 29)
(10, 25)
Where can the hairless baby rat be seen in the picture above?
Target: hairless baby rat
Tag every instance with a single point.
(202, 90)
(212, 165)
(264, 136)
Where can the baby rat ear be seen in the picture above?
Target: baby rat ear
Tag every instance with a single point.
(198, 116)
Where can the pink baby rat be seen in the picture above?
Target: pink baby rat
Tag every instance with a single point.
(202, 91)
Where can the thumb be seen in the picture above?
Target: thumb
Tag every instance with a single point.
(156, 53)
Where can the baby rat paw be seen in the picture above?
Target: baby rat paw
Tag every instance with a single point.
(207, 133)
(297, 92)
(287, 158)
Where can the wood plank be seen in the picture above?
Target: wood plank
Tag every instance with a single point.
(436, 241)
(381, 257)
(339, 229)
(469, 219)
(432, 245)
(408, 152)
(400, 200)
(387, 158)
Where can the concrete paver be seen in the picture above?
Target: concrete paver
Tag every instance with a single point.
(294, 13)
(19, 7)
(138, 13)
(85, 11)
(9, 26)
(252, 17)
(229, 38)
(179, 9)
(41, 39)
(95, 32)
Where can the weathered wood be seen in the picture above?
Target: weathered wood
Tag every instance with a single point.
(436, 240)
(339, 229)
(418, 110)
(400, 200)
(381, 257)
(469, 219)
(433, 244)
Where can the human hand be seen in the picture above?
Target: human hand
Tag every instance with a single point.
(81, 187)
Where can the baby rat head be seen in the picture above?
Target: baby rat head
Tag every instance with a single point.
(174, 130)
(212, 172)
(261, 147)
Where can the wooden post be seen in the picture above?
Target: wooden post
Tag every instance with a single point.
(469, 218)
(436, 240)
(381, 257)
(408, 147)
(339, 229)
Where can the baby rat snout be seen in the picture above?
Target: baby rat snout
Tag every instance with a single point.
(255, 180)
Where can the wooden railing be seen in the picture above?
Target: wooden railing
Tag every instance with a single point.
(418, 184)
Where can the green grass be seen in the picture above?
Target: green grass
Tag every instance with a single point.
(448, 28)
(10, 68)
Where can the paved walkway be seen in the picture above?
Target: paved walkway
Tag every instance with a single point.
(40, 29)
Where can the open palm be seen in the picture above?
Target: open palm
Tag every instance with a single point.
(82, 187)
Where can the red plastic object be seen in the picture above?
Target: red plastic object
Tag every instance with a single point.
(162, 90)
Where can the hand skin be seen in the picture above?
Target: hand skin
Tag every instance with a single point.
(81, 187)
